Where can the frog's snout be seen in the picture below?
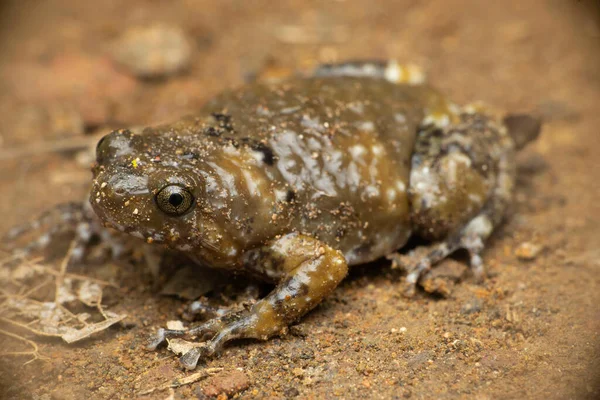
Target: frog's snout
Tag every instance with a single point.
(118, 185)
(119, 197)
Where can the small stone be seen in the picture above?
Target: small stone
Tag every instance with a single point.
(528, 251)
(291, 392)
(471, 306)
(226, 383)
(175, 325)
(153, 51)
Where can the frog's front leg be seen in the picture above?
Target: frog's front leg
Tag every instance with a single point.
(75, 220)
(307, 271)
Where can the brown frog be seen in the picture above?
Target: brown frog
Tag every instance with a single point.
(297, 180)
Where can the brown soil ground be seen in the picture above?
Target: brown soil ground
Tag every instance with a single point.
(530, 331)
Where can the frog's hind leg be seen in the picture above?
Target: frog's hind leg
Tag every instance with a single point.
(471, 238)
(461, 185)
(377, 69)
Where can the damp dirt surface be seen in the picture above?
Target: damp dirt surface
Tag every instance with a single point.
(531, 330)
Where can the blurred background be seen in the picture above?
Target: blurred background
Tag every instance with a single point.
(71, 71)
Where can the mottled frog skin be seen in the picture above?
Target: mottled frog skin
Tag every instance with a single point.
(296, 180)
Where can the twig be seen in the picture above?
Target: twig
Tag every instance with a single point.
(28, 328)
(36, 288)
(186, 380)
(35, 352)
(63, 270)
(99, 305)
(77, 277)
(15, 256)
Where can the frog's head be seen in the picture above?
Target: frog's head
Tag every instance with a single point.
(148, 186)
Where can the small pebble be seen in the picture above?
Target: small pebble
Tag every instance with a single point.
(227, 383)
(528, 251)
(177, 325)
(153, 51)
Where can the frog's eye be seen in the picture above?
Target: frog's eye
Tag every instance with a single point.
(174, 200)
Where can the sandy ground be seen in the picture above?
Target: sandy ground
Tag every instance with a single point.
(530, 331)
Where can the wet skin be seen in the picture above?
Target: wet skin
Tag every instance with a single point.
(295, 181)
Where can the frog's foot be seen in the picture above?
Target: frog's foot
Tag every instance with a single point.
(307, 269)
(471, 238)
(63, 219)
(214, 334)
(75, 220)
(461, 185)
(202, 332)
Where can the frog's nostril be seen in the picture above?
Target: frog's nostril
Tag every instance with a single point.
(119, 191)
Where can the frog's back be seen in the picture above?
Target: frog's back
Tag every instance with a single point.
(333, 159)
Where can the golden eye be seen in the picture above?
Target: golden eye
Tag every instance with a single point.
(174, 200)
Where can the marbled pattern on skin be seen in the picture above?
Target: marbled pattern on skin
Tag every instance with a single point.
(295, 181)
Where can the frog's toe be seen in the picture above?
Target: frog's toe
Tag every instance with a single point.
(477, 267)
(409, 289)
(161, 336)
(213, 346)
(474, 245)
(415, 273)
(156, 340)
(190, 359)
(201, 309)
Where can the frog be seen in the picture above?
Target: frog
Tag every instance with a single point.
(295, 180)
